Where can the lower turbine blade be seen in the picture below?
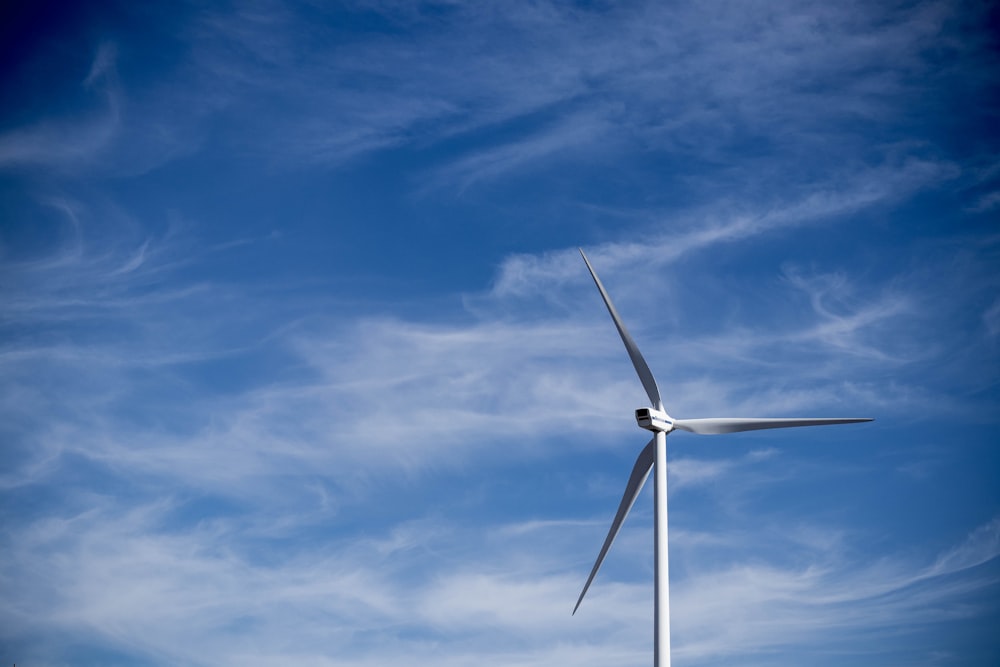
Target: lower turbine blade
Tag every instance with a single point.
(640, 472)
(735, 425)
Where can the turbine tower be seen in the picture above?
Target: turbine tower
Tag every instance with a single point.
(654, 457)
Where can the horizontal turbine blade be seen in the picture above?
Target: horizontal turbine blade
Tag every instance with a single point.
(645, 375)
(718, 425)
(640, 472)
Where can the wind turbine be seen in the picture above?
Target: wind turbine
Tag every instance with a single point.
(654, 457)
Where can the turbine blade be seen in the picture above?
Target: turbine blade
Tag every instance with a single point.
(718, 425)
(645, 375)
(640, 472)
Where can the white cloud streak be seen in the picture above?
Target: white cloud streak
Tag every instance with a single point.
(704, 230)
(751, 609)
(57, 144)
(693, 80)
(204, 594)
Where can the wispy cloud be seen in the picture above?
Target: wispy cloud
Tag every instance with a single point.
(136, 582)
(65, 143)
(698, 231)
(141, 568)
(757, 609)
(689, 472)
(460, 382)
(517, 87)
(471, 68)
(570, 135)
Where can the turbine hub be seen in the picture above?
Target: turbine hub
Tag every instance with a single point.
(654, 420)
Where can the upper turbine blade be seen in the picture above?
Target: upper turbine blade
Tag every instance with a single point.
(718, 425)
(645, 375)
(640, 472)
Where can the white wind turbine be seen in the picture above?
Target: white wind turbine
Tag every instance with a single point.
(654, 455)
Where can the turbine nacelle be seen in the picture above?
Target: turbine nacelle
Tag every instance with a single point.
(654, 420)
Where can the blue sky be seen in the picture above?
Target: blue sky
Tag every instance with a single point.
(299, 363)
